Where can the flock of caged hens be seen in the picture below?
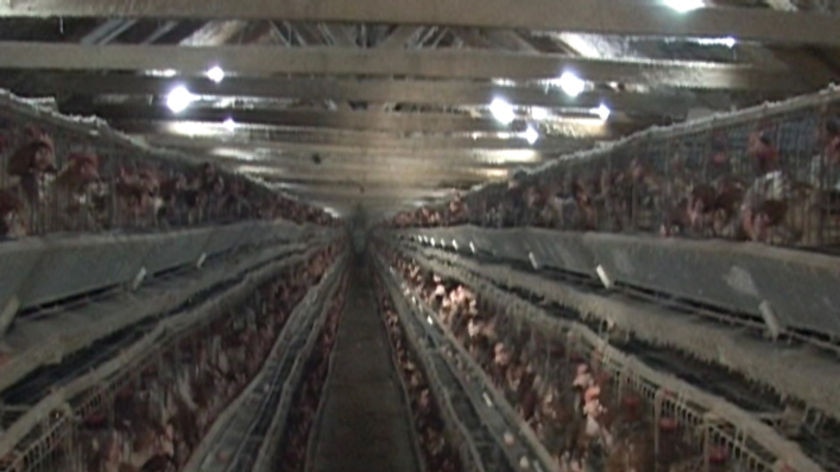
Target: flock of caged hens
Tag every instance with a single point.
(155, 421)
(772, 202)
(565, 396)
(37, 195)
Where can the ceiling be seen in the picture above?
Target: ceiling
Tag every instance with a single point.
(386, 104)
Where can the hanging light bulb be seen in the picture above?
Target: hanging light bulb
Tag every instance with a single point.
(539, 113)
(684, 6)
(571, 84)
(502, 111)
(603, 112)
(728, 42)
(179, 99)
(229, 124)
(531, 135)
(216, 74)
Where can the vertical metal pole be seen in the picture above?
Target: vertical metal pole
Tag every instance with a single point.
(706, 445)
(619, 390)
(814, 205)
(634, 194)
(657, 415)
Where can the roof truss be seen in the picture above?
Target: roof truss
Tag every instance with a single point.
(594, 16)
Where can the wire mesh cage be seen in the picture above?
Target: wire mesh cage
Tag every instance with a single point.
(704, 431)
(65, 175)
(769, 174)
(153, 402)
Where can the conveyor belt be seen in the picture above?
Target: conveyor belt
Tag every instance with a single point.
(365, 425)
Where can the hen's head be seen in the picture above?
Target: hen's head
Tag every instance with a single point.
(84, 165)
(761, 147)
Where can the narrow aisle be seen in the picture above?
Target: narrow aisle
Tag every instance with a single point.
(365, 425)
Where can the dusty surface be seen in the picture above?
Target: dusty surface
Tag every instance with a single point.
(365, 424)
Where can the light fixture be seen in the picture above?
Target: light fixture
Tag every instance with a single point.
(728, 41)
(506, 156)
(229, 124)
(531, 135)
(502, 111)
(504, 82)
(216, 74)
(162, 73)
(179, 99)
(496, 173)
(192, 128)
(684, 6)
(571, 84)
(539, 113)
(603, 112)
(238, 154)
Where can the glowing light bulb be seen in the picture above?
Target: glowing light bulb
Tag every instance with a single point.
(502, 111)
(571, 84)
(603, 112)
(179, 99)
(216, 74)
(162, 73)
(728, 41)
(229, 124)
(684, 6)
(531, 135)
(539, 113)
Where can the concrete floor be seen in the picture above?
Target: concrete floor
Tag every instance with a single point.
(365, 425)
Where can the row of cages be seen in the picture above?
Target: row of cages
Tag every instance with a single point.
(669, 423)
(769, 174)
(475, 430)
(738, 284)
(306, 407)
(265, 408)
(439, 446)
(59, 174)
(158, 398)
(777, 382)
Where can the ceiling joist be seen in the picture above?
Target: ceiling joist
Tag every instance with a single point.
(593, 16)
(136, 118)
(368, 120)
(522, 154)
(674, 103)
(447, 63)
(353, 141)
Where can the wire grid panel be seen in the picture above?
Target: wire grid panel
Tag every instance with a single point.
(766, 174)
(738, 444)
